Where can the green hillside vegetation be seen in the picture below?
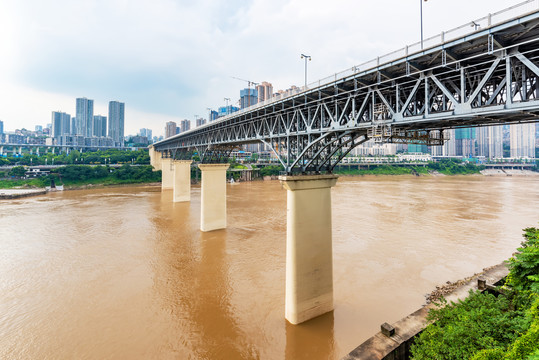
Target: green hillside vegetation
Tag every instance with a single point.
(78, 175)
(489, 327)
(110, 156)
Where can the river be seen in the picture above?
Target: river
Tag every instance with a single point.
(124, 273)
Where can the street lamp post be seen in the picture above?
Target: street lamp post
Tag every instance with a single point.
(303, 56)
(421, 15)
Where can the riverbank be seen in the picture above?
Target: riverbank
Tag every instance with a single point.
(9, 194)
(81, 176)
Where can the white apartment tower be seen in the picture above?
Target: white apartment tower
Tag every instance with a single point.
(265, 91)
(85, 117)
(116, 122)
(490, 141)
(522, 138)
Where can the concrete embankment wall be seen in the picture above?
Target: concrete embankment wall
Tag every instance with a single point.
(16, 194)
(395, 343)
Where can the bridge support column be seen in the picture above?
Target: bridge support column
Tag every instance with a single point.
(182, 180)
(167, 174)
(155, 158)
(309, 254)
(213, 196)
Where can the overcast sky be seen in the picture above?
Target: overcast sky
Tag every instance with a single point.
(173, 59)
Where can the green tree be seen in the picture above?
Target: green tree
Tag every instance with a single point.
(524, 265)
(17, 171)
(73, 157)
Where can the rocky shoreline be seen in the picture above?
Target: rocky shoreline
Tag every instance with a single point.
(449, 287)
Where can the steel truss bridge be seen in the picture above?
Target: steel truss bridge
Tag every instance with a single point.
(487, 77)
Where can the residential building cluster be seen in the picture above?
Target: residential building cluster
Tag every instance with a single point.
(83, 129)
(87, 129)
(248, 97)
(517, 141)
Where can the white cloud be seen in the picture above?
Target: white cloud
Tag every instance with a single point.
(172, 59)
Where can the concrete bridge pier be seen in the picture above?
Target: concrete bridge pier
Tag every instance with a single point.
(167, 174)
(309, 252)
(213, 196)
(182, 180)
(155, 158)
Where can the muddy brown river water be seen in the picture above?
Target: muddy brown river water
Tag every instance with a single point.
(124, 273)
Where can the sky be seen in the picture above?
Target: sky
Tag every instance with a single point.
(169, 60)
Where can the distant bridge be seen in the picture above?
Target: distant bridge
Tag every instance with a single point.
(4, 147)
(486, 77)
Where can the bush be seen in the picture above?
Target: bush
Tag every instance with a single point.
(271, 170)
(524, 265)
(481, 321)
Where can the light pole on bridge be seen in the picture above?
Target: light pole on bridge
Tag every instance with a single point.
(421, 15)
(303, 56)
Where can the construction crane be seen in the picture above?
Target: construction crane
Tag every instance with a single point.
(249, 83)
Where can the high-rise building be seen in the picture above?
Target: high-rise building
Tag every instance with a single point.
(490, 142)
(1, 127)
(73, 125)
(85, 117)
(170, 129)
(227, 110)
(185, 125)
(100, 126)
(248, 97)
(61, 123)
(116, 122)
(39, 128)
(200, 122)
(213, 115)
(147, 133)
(418, 148)
(465, 142)
(265, 91)
(448, 148)
(522, 140)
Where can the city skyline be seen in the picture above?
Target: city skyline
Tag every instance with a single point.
(157, 42)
